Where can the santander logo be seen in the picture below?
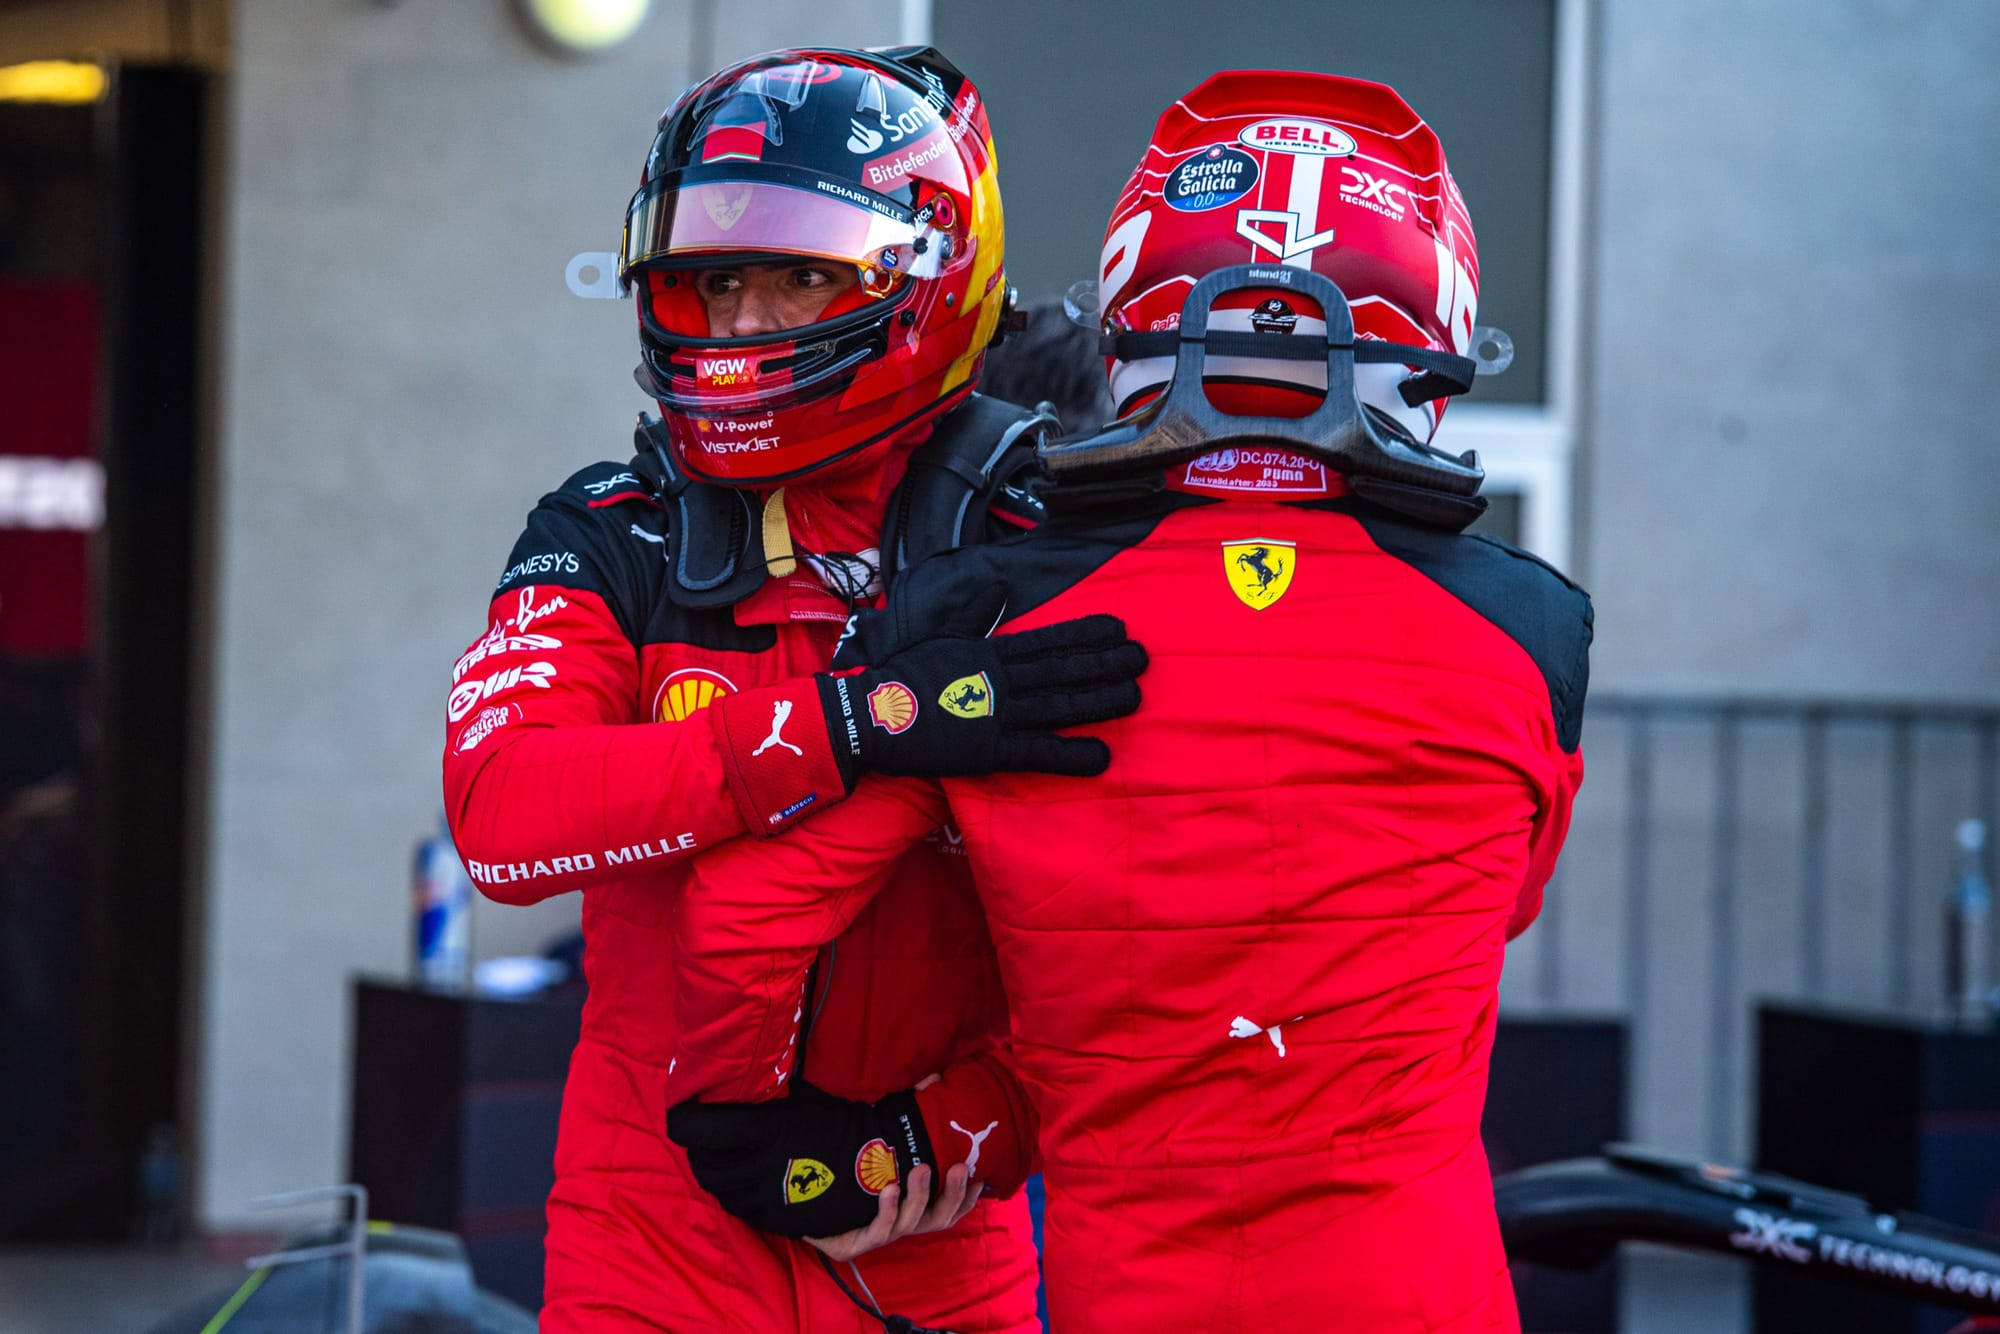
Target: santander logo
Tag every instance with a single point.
(1288, 134)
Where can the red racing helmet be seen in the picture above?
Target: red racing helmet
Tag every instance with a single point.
(1313, 171)
(877, 159)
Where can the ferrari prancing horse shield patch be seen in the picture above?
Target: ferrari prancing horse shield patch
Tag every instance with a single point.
(1259, 570)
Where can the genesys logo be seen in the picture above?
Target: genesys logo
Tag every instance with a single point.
(1306, 138)
(553, 562)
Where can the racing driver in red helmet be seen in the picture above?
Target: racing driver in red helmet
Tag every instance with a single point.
(1254, 967)
(816, 253)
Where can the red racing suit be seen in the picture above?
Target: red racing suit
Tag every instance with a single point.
(1254, 968)
(602, 738)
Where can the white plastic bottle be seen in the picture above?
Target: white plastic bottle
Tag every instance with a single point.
(441, 895)
(1968, 982)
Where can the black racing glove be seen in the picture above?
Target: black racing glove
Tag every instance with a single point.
(950, 707)
(809, 1165)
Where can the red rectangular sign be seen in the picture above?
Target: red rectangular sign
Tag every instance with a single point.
(51, 485)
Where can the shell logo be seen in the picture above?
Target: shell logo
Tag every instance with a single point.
(689, 691)
(875, 1166)
(892, 706)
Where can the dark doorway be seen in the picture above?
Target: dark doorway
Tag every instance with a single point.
(101, 227)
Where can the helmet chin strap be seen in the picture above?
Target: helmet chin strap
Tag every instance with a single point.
(779, 560)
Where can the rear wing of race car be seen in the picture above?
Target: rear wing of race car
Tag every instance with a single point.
(1572, 1214)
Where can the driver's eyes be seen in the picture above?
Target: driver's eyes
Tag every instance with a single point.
(719, 284)
(810, 278)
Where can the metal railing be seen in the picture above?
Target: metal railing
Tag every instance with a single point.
(1750, 849)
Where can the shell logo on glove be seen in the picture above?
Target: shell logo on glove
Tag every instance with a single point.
(689, 691)
(875, 1166)
(806, 1179)
(892, 706)
(969, 697)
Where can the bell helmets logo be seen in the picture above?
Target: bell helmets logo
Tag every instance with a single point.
(688, 692)
(1289, 134)
(806, 1179)
(892, 706)
(968, 697)
(875, 1166)
(1259, 570)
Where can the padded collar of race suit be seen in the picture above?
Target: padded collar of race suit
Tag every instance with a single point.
(1419, 504)
(715, 542)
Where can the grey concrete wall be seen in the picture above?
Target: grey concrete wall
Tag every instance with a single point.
(403, 373)
(1793, 479)
(1790, 485)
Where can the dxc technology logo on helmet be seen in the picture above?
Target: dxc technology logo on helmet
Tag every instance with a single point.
(1308, 138)
(862, 140)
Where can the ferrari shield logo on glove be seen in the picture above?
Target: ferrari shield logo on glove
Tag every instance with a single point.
(1259, 570)
(806, 1179)
(968, 697)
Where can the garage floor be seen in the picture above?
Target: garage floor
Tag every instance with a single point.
(104, 1290)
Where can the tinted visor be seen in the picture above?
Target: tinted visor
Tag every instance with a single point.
(679, 218)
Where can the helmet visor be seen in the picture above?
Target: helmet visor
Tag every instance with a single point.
(676, 219)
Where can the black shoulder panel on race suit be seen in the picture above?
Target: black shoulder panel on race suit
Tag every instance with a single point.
(981, 457)
(602, 531)
(1534, 604)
